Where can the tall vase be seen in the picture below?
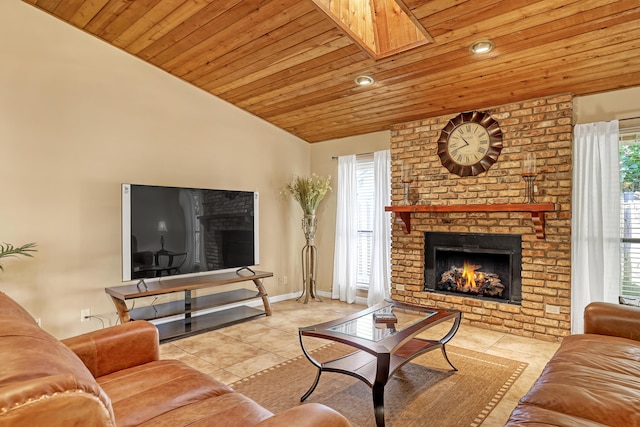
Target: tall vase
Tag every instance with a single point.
(309, 258)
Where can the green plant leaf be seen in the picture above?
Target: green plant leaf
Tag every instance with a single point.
(8, 250)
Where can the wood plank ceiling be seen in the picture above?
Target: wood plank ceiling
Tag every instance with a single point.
(288, 63)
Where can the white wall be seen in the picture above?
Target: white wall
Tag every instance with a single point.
(78, 118)
(618, 104)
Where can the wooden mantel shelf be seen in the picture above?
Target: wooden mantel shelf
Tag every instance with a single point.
(537, 211)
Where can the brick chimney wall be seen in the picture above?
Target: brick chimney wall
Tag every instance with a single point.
(542, 125)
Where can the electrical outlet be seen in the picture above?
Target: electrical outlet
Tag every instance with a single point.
(285, 280)
(85, 313)
(399, 287)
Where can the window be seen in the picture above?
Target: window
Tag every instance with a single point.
(630, 211)
(365, 196)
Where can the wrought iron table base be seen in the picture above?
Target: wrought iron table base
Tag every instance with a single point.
(373, 368)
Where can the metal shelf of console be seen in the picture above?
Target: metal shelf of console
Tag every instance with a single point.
(193, 323)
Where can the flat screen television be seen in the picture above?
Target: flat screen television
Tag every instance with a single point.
(175, 231)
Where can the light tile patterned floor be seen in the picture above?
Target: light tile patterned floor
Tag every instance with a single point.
(235, 352)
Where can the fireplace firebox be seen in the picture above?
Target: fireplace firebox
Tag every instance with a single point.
(487, 266)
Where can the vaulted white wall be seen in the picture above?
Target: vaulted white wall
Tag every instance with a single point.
(78, 118)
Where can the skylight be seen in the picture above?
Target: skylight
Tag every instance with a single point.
(381, 27)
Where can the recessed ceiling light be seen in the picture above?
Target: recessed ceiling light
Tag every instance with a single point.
(364, 80)
(482, 46)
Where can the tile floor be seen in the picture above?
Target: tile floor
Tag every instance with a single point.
(237, 351)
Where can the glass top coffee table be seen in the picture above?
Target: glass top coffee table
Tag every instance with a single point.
(385, 337)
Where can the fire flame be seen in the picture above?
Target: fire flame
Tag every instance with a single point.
(469, 275)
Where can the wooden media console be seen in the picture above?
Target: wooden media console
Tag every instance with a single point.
(191, 323)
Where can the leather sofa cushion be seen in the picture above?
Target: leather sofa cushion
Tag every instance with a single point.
(229, 410)
(40, 375)
(530, 416)
(591, 380)
(144, 393)
(44, 382)
(112, 349)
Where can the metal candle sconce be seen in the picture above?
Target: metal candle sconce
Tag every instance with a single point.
(406, 183)
(529, 174)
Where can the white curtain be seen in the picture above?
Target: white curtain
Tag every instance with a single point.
(345, 261)
(380, 279)
(595, 223)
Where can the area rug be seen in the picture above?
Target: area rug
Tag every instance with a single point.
(423, 392)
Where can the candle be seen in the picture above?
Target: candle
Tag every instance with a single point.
(529, 164)
(406, 172)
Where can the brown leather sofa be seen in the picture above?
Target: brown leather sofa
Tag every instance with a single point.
(114, 377)
(593, 379)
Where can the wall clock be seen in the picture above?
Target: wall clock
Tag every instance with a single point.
(470, 143)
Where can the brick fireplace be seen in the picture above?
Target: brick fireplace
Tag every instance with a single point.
(543, 126)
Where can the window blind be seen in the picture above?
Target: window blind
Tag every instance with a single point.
(365, 197)
(630, 212)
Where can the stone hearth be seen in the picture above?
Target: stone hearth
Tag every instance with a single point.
(541, 125)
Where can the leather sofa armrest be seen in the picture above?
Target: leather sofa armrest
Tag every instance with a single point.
(118, 347)
(612, 319)
(307, 415)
